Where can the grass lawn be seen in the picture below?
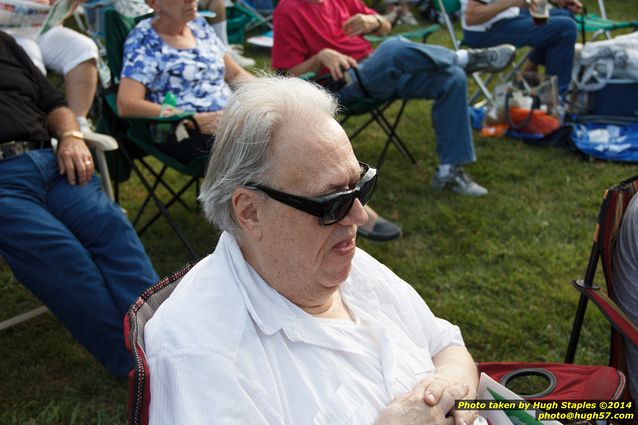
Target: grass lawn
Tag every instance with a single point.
(500, 267)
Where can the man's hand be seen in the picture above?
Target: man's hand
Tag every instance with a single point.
(360, 24)
(440, 389)
(335, 62)
(523, 4)
(429, 403)
(74, 160)
(573, 6)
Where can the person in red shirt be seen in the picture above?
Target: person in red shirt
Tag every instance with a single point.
(326, 36)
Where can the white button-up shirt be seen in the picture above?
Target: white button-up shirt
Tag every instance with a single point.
(226, 348)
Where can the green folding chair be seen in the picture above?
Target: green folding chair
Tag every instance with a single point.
(450, 7)
(377, 110)
(137, 143)
(601, 25)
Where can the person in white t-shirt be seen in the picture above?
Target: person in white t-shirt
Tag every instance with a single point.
(288, 322)
(70, 54)
(492, 22)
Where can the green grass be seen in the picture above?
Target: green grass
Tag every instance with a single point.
(499, 267)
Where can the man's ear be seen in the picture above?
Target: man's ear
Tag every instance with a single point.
(248, 210)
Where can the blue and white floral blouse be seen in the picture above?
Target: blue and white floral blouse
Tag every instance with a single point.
(195, 76)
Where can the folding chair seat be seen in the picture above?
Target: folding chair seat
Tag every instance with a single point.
(139, 390)
(623, 330)
(137, 143)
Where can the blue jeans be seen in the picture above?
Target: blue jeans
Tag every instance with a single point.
(74, 249)
(553, 42)
(402, 69)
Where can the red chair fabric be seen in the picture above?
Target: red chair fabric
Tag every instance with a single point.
(139, 384)
(610, 216)
(570, 382)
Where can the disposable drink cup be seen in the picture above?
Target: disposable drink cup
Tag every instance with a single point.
(540, 13)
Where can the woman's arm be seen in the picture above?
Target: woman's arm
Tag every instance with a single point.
(477, 12)
(131, 101)
(233, 72)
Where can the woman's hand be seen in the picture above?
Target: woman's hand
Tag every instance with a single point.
(207, 121)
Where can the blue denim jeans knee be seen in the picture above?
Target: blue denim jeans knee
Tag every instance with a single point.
(75, 250)
(553, 42)
(402, 69)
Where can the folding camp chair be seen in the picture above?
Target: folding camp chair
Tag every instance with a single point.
(602, 25)
(139, 394)
(257, 16)
(99, 143)
(447, 8)
(450, 7)
(377, 109)
(612, 210)
(136, 142)
(557, 381)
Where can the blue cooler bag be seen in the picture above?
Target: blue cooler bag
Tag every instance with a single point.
(613, 142)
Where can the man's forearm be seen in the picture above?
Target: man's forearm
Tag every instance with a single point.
(312, 64)
(61, 120)
(384, 26)
(457, 362)
(478, 13)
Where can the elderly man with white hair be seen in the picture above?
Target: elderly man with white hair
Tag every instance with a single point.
(288, 322)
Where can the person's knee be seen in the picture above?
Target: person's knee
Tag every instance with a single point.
(457, 78)
(565, 29)
(392, 45)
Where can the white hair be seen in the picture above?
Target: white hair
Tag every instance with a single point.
(241, 152)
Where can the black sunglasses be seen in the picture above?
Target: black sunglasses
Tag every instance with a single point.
(332, 207)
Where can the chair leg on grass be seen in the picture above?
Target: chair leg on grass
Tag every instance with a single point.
(390, 130)
(23, 317)
(160, 206)
(175, 198)
(158, 177)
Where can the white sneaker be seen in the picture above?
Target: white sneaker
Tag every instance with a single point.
(459, 182)
(236, 54)
(408, 19)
